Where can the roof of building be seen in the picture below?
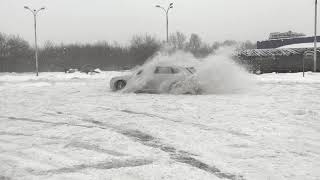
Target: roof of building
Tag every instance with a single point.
(273, 52)
(276, 43)
(284, 35)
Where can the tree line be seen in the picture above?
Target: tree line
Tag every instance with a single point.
(16, 54)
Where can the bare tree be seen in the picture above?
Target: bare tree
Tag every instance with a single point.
(178, 40)
(194, 43)
(143, 47)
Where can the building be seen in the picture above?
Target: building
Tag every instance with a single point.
(276, 43)
(285, 35)
(283, 52)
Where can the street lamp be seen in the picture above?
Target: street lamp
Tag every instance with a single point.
(167, 13)
(315, 36)
(35, 12)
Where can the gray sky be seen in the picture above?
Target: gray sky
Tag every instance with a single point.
(71, 21)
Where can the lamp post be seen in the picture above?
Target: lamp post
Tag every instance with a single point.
(315, 36)
(167, 17)
(35, 12)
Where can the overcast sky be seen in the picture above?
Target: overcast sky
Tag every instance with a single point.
(72, 21)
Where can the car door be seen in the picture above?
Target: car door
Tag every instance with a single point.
(160, 75)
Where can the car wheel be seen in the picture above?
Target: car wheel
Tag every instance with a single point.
(120, 85)
(171, 87)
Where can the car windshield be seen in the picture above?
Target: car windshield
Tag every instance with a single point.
(163, 70)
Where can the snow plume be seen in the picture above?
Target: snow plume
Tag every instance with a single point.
(220, 74)
(214, 74)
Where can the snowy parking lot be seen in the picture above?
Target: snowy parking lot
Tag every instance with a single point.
(71, 126)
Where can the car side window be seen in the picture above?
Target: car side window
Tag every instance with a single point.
(192, 70)
(163, 70)
(175, 70)
(139, 72)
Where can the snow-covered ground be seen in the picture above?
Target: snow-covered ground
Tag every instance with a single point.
(71, 126)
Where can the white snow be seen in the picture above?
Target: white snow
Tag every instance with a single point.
(71, 126)
(57, 76)
(310, 77)
(299, 45)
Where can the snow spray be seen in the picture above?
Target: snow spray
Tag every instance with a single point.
(215, 74)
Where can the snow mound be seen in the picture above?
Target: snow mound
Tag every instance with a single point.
(290, 78)
(299, 45)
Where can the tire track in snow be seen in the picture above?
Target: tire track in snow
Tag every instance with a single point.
(101, 165)
(139, 136)
(200, 126)
(149, 115)
(4, 178)
(52, 123)
(30, 135)
(93, 147)
(113, 164)
(81, 145)
(175, 154)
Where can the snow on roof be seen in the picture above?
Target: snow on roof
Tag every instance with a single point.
(271, 52)
(300, 45)
(288, 50)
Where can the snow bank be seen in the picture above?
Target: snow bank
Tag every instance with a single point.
(292, 78)
(300, 45)
(54, 76)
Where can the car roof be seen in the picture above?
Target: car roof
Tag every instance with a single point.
(173, 66)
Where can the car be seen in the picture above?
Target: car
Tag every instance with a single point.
(157, 79)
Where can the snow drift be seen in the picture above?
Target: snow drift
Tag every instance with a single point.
(214, 74)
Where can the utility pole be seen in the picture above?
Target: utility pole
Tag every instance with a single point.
(167, 17)
(35, 12)
(315, 36)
